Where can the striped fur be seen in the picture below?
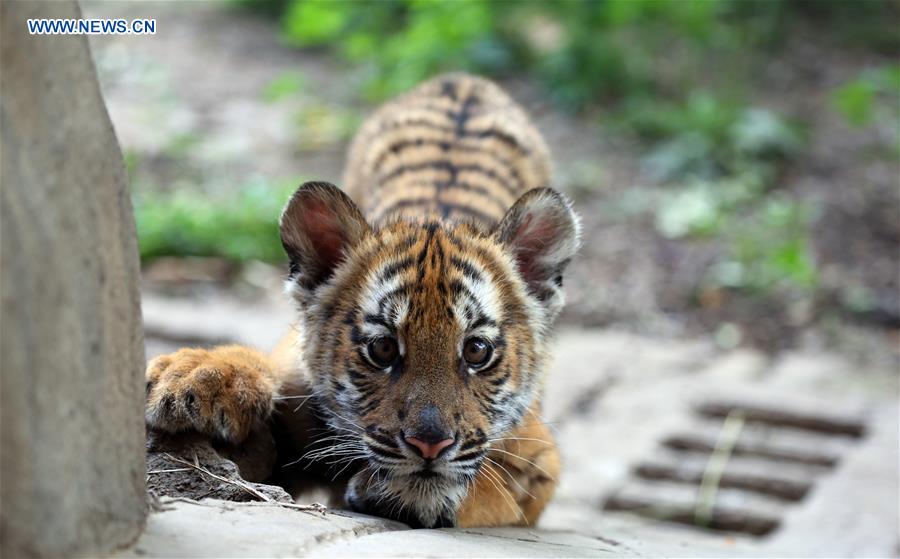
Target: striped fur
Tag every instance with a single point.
(456, 147)
(440, 252)
(453, 239)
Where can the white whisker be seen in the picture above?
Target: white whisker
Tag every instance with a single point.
(525, 460)
(511, 477)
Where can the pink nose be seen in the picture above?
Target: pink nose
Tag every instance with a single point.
(429, 450)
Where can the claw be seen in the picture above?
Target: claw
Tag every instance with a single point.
(168, 405)
(189, 401)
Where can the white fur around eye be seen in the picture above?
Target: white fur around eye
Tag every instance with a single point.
(488, 332)
(370, 330)
(375, 291)
(486, 295)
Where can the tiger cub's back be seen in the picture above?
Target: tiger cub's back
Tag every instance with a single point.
(457, 147)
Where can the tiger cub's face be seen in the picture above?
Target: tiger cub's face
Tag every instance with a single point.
(425, 340)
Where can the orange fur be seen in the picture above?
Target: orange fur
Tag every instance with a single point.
(223, 392)
(520, 478)
(437, 174)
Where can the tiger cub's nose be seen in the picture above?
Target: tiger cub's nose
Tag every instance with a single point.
(429, 450)
(430, 435)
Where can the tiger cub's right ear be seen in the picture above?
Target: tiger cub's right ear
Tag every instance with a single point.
(318, 226)
(543, 234)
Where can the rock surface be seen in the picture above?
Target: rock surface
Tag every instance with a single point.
(188, 467)
(72, 355)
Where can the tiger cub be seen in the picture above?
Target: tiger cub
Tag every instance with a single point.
(426, 297)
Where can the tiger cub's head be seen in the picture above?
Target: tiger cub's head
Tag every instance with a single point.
(425, 340)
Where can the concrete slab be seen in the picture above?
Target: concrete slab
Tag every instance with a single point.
(853, 512)
(213, 528)
(508, 542)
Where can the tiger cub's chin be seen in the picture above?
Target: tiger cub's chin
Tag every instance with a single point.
(422, 499)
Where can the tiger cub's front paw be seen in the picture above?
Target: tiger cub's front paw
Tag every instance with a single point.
(222, 392)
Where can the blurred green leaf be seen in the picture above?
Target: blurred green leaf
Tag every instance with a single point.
(241, 227)
(858, 100)
(760, 133)
(855, 101)
(693, 211)
(322, 125)
(315, 22)
(767, 248)
(283, 86)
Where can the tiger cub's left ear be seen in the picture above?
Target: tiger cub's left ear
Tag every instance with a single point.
(543, 234)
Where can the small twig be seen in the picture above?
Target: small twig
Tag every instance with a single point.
(182, 500)
(313, 507)
(168, 471)
(715, 467)
(242, 484)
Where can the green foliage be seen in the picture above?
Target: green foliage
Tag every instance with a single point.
(611, 49)
(859, 100)
(763, 135)
(284, 86)
(590, 53)
(316, 22)
(708, 137)
(404, 41)
(693, 211)
(868, 24)
(240, 227)
(584, 51)
(719, 160)
(717, 157)
(768, 249)
(131, 159)
(179, 145)
(321, 125)
(764, 238)
(702, 113)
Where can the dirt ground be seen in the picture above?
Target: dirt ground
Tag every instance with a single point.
(190, 111)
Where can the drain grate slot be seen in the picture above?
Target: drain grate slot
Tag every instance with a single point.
(699, 444)
(775, 486)
(816, 423)
(732, 512)
(772, 461)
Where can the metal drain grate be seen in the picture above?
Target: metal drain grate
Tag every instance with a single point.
(737, 468)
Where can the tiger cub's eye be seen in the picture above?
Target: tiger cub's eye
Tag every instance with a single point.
(477, 352)
(383, 351)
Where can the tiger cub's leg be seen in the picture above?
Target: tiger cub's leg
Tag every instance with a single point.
(515, 482)
(224, 392)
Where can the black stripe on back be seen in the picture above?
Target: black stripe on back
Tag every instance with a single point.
(493, 133)
(453, 170)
